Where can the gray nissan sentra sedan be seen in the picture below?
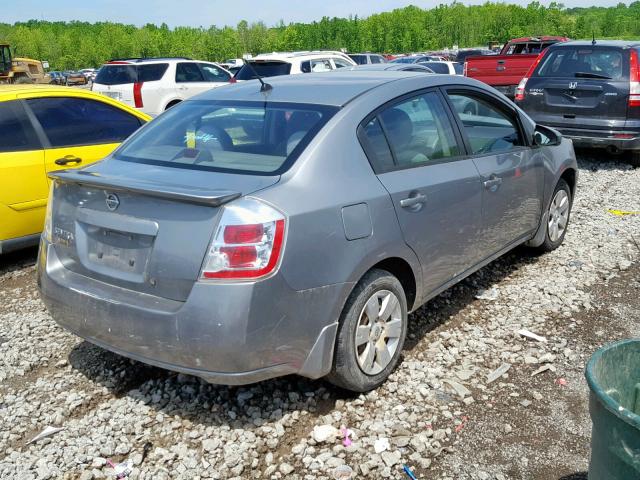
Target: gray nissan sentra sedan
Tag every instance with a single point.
(248, 234)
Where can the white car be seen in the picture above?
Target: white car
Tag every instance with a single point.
(444, 67)
(290, 63)
(155, 84)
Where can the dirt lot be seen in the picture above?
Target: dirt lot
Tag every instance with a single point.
(438, 413)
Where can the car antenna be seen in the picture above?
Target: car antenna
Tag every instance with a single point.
(593, 42)
(265, 87)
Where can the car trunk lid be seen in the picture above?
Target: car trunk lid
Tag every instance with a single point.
(145, 232)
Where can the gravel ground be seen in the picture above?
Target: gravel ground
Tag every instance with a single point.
(438, 413)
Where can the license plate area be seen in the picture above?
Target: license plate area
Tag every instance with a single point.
(114, 95)
(118, 254)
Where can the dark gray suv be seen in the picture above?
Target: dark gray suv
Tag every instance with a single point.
(589, 91)
(254, 232)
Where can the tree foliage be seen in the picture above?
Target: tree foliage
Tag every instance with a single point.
(69, 45)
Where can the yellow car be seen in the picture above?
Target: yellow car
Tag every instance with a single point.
(45, 128)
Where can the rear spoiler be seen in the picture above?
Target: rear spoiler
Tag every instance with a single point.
(201, 196)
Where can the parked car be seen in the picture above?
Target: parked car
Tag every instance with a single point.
(504, 71)
(154, 85)
(89, 74)
(462, 55)
(367, 58)
(415, 59)
(446, 68)
(290, 63)
(43, 129)
(390, 67)
(590, 92)
(243, 235)
(57, 78)
(75, 78)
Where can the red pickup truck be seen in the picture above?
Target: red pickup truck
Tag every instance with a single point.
(504, 71)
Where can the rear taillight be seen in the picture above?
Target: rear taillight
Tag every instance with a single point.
(634, 79)
(248, 242)
(523, 83)
(137, 94)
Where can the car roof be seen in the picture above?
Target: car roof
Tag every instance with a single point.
(297, 55)
(335, 88)
(12, 92)
(389, 66)
(599, 43)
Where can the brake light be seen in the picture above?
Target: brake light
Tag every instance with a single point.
(248, 242)
(137, 94)
(634, 79)
(523, 83)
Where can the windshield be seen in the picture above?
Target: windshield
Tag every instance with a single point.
(437, 67)
(585, 62)
(240, 137)
(264, 69)
(5, 58)
(119, 74)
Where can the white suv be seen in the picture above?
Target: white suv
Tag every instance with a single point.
(156, 84)
(290, 63)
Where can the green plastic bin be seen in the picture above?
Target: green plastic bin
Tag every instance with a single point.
(613, 375)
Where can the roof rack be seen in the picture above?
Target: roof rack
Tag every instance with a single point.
(145, 59)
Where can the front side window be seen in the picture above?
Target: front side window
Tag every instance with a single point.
(16, 132)
(321, 65)
(69, 122)
(488, 128)
(212, 73)
(417, 132)
(188, 72)
(340, 63)
(238, 137)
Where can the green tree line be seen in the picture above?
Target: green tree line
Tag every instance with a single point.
(72, 45)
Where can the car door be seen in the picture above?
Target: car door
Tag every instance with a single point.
(23, 187)
(79, 131)
(213, 75)
(189, 80)
(512, 177)
(417, 155)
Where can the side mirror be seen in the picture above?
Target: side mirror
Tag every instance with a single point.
(546, 137)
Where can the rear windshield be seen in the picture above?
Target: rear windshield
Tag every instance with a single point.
(264, 69)
(239, 137)
(360, 59)
(585, 62)
(437, 67)
(119, 74)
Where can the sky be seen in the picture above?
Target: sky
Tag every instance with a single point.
(216, 12)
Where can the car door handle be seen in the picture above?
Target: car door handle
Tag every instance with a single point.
(67, 159)
(413, 200)
(493, 183)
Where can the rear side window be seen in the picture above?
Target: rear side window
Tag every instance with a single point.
(459, 69)
(69, 122)
(239, 137)
(264, 69)
(151, 72)
(488, 129)
(417, 132)
(16, 132)
(188, 72)
(585, 62)
(376, 59)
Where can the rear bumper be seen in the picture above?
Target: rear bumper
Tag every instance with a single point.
(602, 138)
(225, 333)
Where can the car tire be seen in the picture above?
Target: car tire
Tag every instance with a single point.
(368, 349)
(173, 103)
(635, 159)
(558, 216)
